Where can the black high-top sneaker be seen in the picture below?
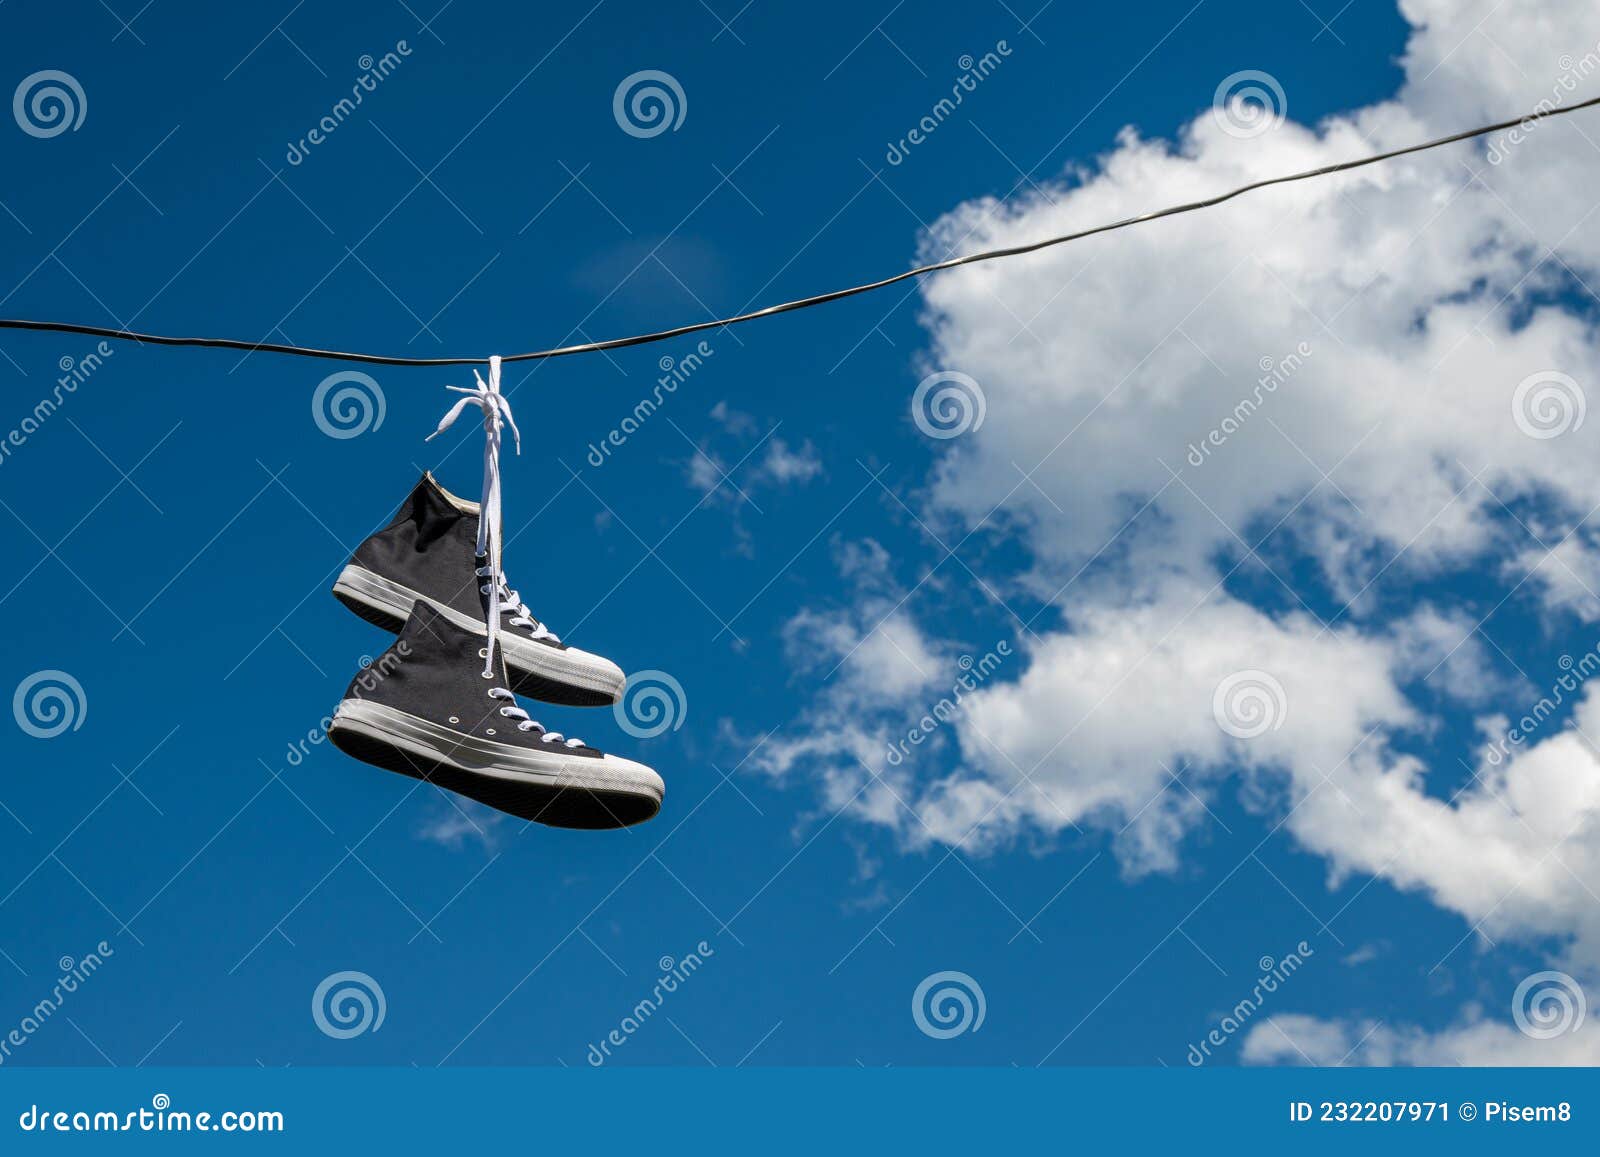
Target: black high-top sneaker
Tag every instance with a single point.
(426, 709)
(428, 554)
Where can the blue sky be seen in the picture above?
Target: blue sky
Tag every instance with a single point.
(174, 525)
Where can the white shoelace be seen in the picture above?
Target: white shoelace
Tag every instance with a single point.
(527, 722)
(496, 414)
(512, 604)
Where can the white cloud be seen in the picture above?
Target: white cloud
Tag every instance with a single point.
(1366, 954)
(1331, 373)
(1377, 327)
(737, 423)
(457, 822)
(1411, 285)
(1476, 1042)
(1444, 649)
(784, 464)
(1101, 720)
(1567, 573)
(705, 473)
(770, 461)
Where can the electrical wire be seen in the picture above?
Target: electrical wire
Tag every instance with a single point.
(804, 302)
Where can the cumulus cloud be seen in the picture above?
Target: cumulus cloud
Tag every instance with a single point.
(1475, 1043)
(1383, 374)
(1337, 389)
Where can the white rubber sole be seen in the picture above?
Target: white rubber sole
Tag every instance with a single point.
(434, 745)
(572, 667)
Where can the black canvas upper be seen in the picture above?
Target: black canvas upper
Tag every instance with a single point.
(434, 670)
(431, 547)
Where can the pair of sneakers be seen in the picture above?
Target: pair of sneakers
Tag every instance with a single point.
(438, 706)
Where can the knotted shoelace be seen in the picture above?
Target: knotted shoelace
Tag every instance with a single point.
(496, 416)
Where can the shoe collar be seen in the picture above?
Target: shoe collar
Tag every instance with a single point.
(461, 504)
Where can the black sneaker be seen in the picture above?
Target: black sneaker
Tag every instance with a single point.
(428, 554)
(426, 709)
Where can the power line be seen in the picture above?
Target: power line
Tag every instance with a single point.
(804, 302)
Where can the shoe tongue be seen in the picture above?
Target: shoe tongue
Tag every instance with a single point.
(482, 563)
